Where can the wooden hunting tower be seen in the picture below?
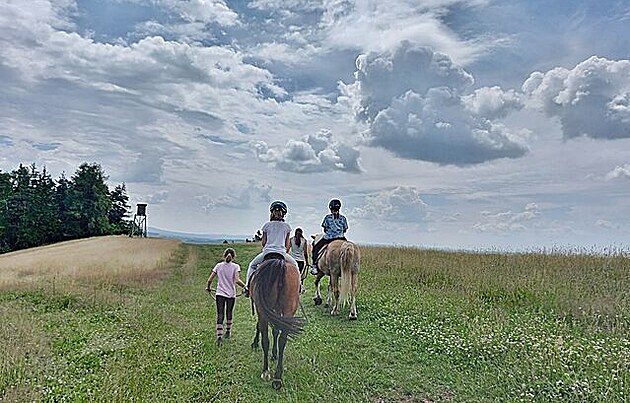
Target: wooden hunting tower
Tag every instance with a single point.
(139, 226)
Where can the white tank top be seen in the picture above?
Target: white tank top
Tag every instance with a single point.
(297, 252)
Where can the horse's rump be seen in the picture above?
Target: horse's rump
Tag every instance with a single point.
(275, 292)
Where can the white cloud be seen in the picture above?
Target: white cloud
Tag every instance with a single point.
(401, 204)
(159, 197)
(288, 53)
(620, 172)
(412, 99)
(605, 224)
(374, 26)
(205, 11)
(592, 99)
(507, 221)
(493, 102)
(314, 153)
(237, 197)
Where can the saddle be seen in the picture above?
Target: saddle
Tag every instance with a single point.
(273, 256)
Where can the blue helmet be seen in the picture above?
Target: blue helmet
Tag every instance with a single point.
(335, 204)
(278, 205)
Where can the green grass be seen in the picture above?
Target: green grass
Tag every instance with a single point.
(433, 326)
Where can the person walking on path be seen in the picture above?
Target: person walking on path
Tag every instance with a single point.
(227, 274)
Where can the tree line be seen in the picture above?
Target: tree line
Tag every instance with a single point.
(37, 210)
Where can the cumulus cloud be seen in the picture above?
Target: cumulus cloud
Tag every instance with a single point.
(314, 153)
(401, 204)
(508, 221)
(157, 197)
(204, 11)
(620, 172)
(239, 197)
(605, 224)
(416, 104)
(493, 102)
(592, 99)
(147, 168)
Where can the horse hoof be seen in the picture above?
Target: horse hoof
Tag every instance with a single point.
(352, 317)
(277, 384)
(265, 376)
(318, 301)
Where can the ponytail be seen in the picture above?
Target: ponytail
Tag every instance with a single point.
(229, 255)
(298, 237)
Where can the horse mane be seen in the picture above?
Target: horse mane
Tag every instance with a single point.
(269, 290)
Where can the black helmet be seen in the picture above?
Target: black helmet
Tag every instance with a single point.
(278, 205)
(335, 204)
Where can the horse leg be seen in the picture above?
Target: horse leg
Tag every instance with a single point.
(266, 374)
(274, 348)
(318, 295)
(329, 296)
(277, 378)
(256, 338)
(353, 295)
(334, 282)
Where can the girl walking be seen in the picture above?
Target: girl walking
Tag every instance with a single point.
(227, 274)
(299, 252)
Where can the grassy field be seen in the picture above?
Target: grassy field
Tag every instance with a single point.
(433, 326)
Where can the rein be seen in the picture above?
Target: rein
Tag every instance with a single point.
(213, 293)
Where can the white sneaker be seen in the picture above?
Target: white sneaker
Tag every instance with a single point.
(314, 270)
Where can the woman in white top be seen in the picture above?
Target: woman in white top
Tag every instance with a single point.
(299, 251)
(275, 238)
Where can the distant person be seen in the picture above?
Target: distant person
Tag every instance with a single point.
(227, 273)
(275, 239)
(299, 252)
(335, 226)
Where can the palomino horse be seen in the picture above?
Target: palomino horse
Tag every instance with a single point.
(341, 261)
(275, 292)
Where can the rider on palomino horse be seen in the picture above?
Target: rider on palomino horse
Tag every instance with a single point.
(335, 226)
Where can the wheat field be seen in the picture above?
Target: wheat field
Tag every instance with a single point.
(105, 259)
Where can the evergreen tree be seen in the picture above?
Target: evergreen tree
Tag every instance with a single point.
(119, 212)
(63, 202)
(6, 190)
(43, 225)
(89, 202)
(17, 208)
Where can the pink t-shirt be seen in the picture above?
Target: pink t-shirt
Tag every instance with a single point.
(226, 278)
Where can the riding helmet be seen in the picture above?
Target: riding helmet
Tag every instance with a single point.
(278, 205)
(335, 204)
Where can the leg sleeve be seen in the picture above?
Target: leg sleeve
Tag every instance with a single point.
(253, 265)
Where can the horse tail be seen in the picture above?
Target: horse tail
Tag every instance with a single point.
(349, 259)
(270, 274)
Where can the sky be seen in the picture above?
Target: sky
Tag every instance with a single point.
(456, 124)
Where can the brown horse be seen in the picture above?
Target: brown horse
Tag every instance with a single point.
(275, 291)
(341, 261)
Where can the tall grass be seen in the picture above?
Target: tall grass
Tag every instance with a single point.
(433, 326)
